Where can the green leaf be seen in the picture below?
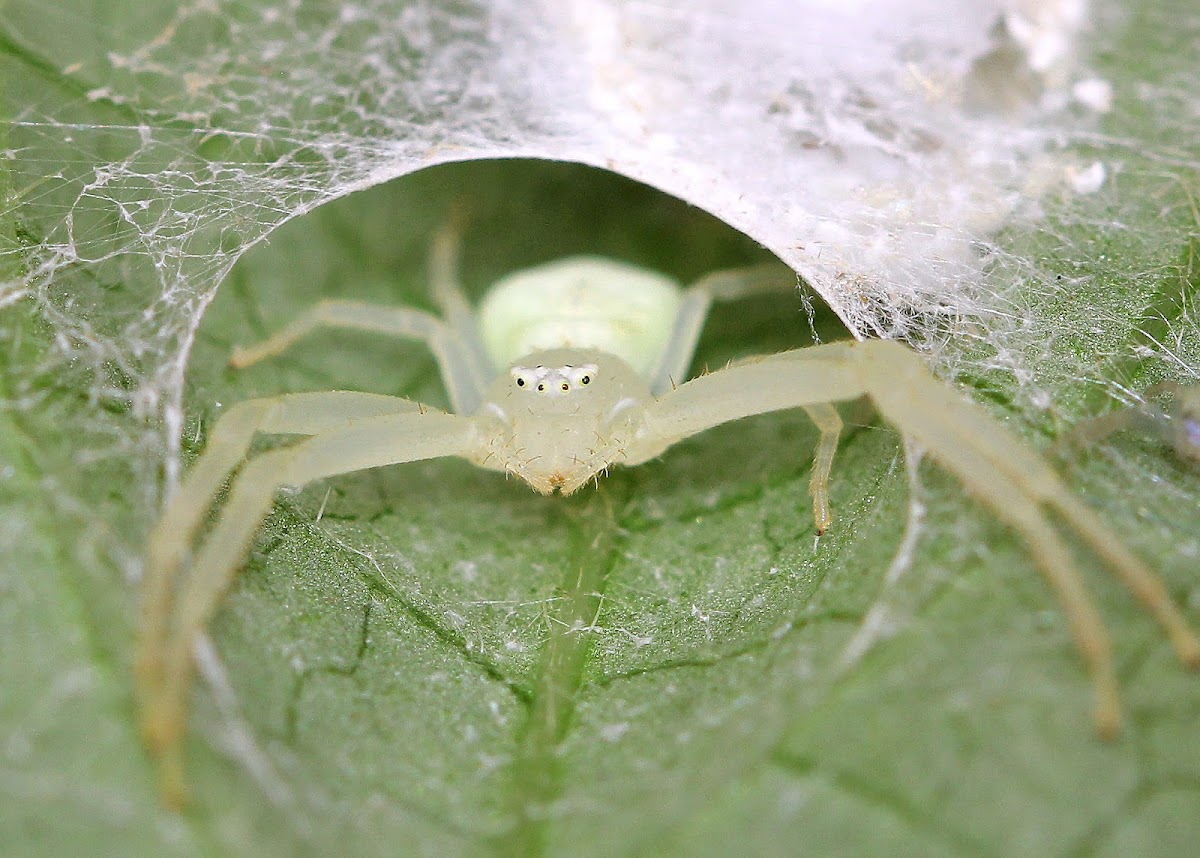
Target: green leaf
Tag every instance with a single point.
(431, 659)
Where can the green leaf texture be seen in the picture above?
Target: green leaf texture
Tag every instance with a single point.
(430, 659)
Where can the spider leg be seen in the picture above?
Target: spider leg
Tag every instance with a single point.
(448, 294)
(170, 539)
(808, 378)
(997, 467)
(463, 378)
(351, 431)
(719, 286)
(1013, 481)
(988, 461)
(1138, 577)
(826, 418)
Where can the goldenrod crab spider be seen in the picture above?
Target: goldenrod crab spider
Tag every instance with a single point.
(565, 370)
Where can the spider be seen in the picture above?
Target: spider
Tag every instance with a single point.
(1178, 424)
(565, 370)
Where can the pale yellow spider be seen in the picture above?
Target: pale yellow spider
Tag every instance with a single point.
(565, 370)
(1178, 424)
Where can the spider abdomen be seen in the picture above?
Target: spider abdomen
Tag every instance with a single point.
(582, 302)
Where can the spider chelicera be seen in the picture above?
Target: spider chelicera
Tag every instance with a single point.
(565, 370)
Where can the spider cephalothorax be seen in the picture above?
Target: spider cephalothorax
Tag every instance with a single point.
(559, 423)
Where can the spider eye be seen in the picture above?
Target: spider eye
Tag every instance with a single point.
(541, 387)
(582, 374)
(520, 382)
(565, 387)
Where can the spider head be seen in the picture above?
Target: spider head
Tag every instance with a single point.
(559, 418)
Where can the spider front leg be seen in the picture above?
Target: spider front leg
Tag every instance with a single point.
(1013, 481)
(170, 625)
(170, 540)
